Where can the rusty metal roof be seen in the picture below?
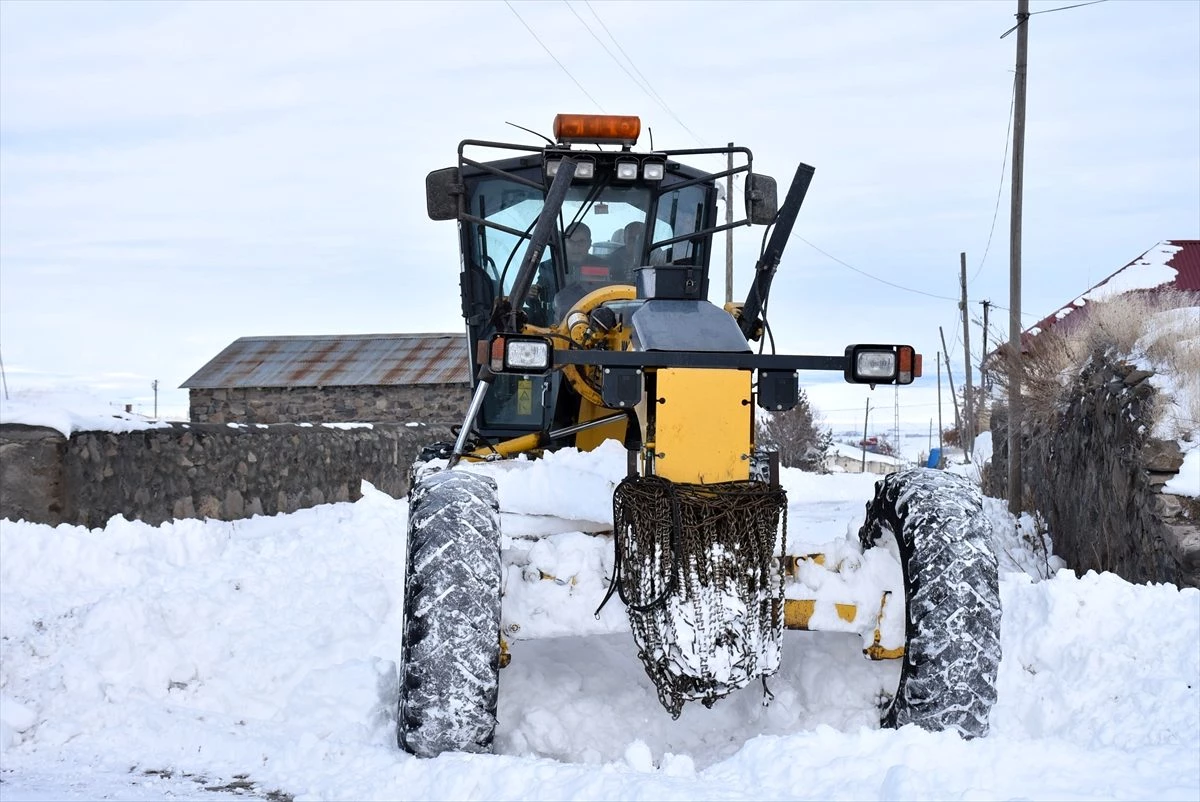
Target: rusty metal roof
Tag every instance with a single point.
(350, 360)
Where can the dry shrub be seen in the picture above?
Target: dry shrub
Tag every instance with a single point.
(950, 437)
(1129, 327)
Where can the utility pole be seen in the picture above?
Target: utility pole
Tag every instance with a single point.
(864, 440)
(968, 400)
(154, 384)
(729, 231)
(983, 382)
(1015, 483)
(940, 446)
(950, 379)
(896, 424)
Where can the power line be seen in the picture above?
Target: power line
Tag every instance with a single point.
(1021, 21)
(561, 66)
(649, 90)
(655, 96)
(868, 275)
(1064, 8)
(652, 93)
(999, 189)
(859, 409)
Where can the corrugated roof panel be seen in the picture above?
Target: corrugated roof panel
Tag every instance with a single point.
(1187, 262)
(337, 361)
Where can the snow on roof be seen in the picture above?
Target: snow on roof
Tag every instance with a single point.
(856, 452)
(1170, 263)
(72, 410)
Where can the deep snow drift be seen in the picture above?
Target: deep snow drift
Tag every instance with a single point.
(142, 662)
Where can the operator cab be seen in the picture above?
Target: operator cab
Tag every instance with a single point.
(623, 212)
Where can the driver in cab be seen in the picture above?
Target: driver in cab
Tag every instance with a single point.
(582, 264)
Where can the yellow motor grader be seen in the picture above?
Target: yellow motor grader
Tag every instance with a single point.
(584, 282)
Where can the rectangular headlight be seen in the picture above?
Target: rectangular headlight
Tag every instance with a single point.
(532, 356)
(552, 168)
(653, 171)
(882, 364)
(879, 365)
(627, 170)
(585, 169)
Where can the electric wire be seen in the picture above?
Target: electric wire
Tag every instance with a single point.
(652, 93)
(641, 84)
(600, 42)
(649, 90)
(1000, 189)
(823, 411)
(870, 276)
(1064, 8)
(1021, 20)
(561, 66)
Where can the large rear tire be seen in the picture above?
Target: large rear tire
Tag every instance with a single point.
(451, 645)
(952, 599)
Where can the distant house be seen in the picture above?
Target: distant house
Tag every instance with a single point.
(848, 458)
(375, 378)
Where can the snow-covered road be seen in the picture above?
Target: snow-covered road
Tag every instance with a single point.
(143, 662)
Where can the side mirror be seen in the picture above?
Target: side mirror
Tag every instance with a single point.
(762, 199)
(442, 188)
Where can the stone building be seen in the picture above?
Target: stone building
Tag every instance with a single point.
(374, 378)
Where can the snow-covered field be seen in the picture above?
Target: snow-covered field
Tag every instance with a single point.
(260, 656)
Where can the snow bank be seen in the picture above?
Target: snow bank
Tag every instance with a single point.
(267, 647)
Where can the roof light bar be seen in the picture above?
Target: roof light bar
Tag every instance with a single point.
(599, 129)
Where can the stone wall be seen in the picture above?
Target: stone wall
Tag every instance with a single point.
(31, 473)
(430, 403)
(199, 470)
(1095, 474)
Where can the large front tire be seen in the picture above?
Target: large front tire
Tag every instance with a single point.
(952, 599)
(451, 645)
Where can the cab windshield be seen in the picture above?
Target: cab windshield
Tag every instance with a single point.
(604, 233)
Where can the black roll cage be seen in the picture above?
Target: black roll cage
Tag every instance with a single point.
(542, 153)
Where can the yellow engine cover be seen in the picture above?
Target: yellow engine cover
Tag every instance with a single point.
(702, 425)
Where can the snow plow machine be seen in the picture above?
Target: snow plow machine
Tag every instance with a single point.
(579, 343)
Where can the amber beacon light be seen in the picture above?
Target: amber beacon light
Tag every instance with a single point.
(606, 129)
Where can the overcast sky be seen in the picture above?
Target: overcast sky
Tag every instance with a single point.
(174, 176)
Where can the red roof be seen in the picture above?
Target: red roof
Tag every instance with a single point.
(1185, 261)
